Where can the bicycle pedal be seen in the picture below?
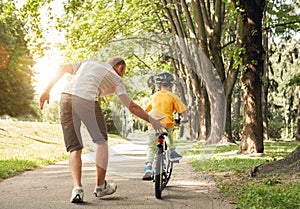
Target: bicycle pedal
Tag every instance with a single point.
(175, 161)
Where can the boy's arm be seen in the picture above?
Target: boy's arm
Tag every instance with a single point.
(184, 117)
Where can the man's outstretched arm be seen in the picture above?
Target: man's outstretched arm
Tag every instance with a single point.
(139, 112)
(65, 68)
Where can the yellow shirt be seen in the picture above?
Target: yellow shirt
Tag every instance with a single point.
(163, 104)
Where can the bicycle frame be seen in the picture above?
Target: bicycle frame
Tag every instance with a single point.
(162, 166)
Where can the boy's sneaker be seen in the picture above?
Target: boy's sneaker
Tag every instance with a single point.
(147, 173)
(110, 188)
(77, 195)
(174, 156)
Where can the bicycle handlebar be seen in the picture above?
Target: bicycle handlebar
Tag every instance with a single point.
(163, 134)
(178, 121)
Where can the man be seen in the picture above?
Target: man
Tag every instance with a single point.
(79, 103)
(162, 105)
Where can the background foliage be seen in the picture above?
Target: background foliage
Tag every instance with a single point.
(96, 29)
(16, 76)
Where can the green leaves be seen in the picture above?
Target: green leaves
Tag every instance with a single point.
(16, 92)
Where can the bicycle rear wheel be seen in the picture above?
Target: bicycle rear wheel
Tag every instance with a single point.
(159, 173)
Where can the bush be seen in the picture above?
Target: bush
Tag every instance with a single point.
(237, 127)
(275, 129)
(111, 128)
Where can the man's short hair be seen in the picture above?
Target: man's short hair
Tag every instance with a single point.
(114, 61)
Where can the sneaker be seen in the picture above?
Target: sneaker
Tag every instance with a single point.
(77, 195)
(174, 156)
(147, 173)
(110, 188)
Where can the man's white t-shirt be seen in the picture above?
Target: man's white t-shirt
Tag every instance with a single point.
(93, 80)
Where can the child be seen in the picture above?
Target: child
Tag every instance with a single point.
(162, 105)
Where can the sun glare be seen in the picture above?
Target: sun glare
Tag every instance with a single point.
(45, 69)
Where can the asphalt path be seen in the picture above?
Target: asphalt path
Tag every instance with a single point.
(50, 187)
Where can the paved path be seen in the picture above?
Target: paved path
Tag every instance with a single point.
(50, 187)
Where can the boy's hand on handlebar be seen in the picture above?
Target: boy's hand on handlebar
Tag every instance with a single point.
(184, 120)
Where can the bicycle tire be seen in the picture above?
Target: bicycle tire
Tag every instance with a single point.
(159, 173)
(168, 174)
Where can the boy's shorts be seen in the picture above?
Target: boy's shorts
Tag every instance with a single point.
(73, 111)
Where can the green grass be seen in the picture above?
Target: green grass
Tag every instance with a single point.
(235, 165)
(232, 174)
(13, 166)
(28, 145)
(270, 193)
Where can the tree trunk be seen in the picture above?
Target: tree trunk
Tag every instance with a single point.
(237, 115)
(202, 116)
(252, 138)
(298, 120)
(201, 23)
(228, 130)
(228, 87)
(265, 86)
(289, 164)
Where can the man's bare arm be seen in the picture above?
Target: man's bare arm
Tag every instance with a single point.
(139, 112)
(65, 68)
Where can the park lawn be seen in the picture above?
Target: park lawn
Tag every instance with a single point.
(232, 174)
(28, 145)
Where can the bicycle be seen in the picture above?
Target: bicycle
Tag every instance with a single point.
(162, 166)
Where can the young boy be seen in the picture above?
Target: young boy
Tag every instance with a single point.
(162, 105)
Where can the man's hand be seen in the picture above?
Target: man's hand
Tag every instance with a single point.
(44, 97)
(157, 126)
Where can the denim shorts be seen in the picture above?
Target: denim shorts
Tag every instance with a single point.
(73, 111)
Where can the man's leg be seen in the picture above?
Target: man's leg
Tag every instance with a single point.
(73, 142)
(102, 187)
(101, 162)
(75, 164)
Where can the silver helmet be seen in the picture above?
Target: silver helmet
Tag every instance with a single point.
(164, 79)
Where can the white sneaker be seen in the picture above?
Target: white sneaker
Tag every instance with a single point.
(109, 189)
(77, 195)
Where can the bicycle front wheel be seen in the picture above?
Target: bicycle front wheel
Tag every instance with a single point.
(168, 173)
(159, 173)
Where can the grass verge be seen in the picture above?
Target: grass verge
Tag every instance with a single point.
(232, 174)
(28, 145)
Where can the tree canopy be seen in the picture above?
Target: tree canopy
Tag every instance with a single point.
(16, 76)
(99, 29)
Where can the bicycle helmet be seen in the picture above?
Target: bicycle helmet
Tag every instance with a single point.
(164, 79)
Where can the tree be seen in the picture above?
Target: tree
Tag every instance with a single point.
(197, 30)
(16, 77)
(252, 14)
(281, 23)
(296, 81)
(213, 27)
(289, 164)
(298, 120)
